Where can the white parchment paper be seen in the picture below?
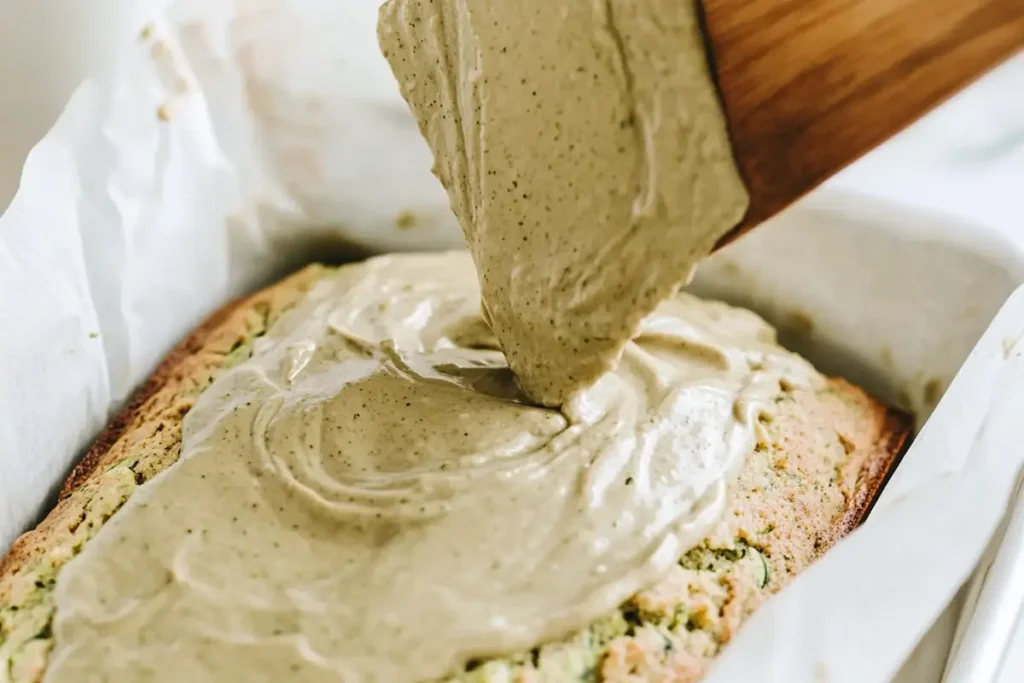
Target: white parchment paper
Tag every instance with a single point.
(234, 140)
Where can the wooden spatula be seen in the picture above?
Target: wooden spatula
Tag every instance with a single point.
(811, 85)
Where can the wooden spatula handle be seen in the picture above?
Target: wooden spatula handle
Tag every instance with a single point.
(811, 85)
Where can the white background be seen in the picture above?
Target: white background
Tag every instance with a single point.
(46, 48)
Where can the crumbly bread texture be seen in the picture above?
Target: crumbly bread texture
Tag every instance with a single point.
(807, 484)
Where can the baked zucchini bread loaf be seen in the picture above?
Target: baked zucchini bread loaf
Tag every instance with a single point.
(817, 464)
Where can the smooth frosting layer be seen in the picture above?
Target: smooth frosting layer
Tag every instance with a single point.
(372, 498)
(586, 156)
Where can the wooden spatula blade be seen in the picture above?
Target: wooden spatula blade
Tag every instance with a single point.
(809, 86)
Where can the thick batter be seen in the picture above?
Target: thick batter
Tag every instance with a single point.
(371, 498)
(586, 156)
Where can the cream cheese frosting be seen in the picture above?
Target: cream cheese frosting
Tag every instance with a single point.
(585, 155)
(371, 497)
(442, 457)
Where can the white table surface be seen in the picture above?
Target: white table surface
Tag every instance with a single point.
(966, 159)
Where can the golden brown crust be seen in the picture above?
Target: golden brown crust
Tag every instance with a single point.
(163, 374)
(893, 442)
